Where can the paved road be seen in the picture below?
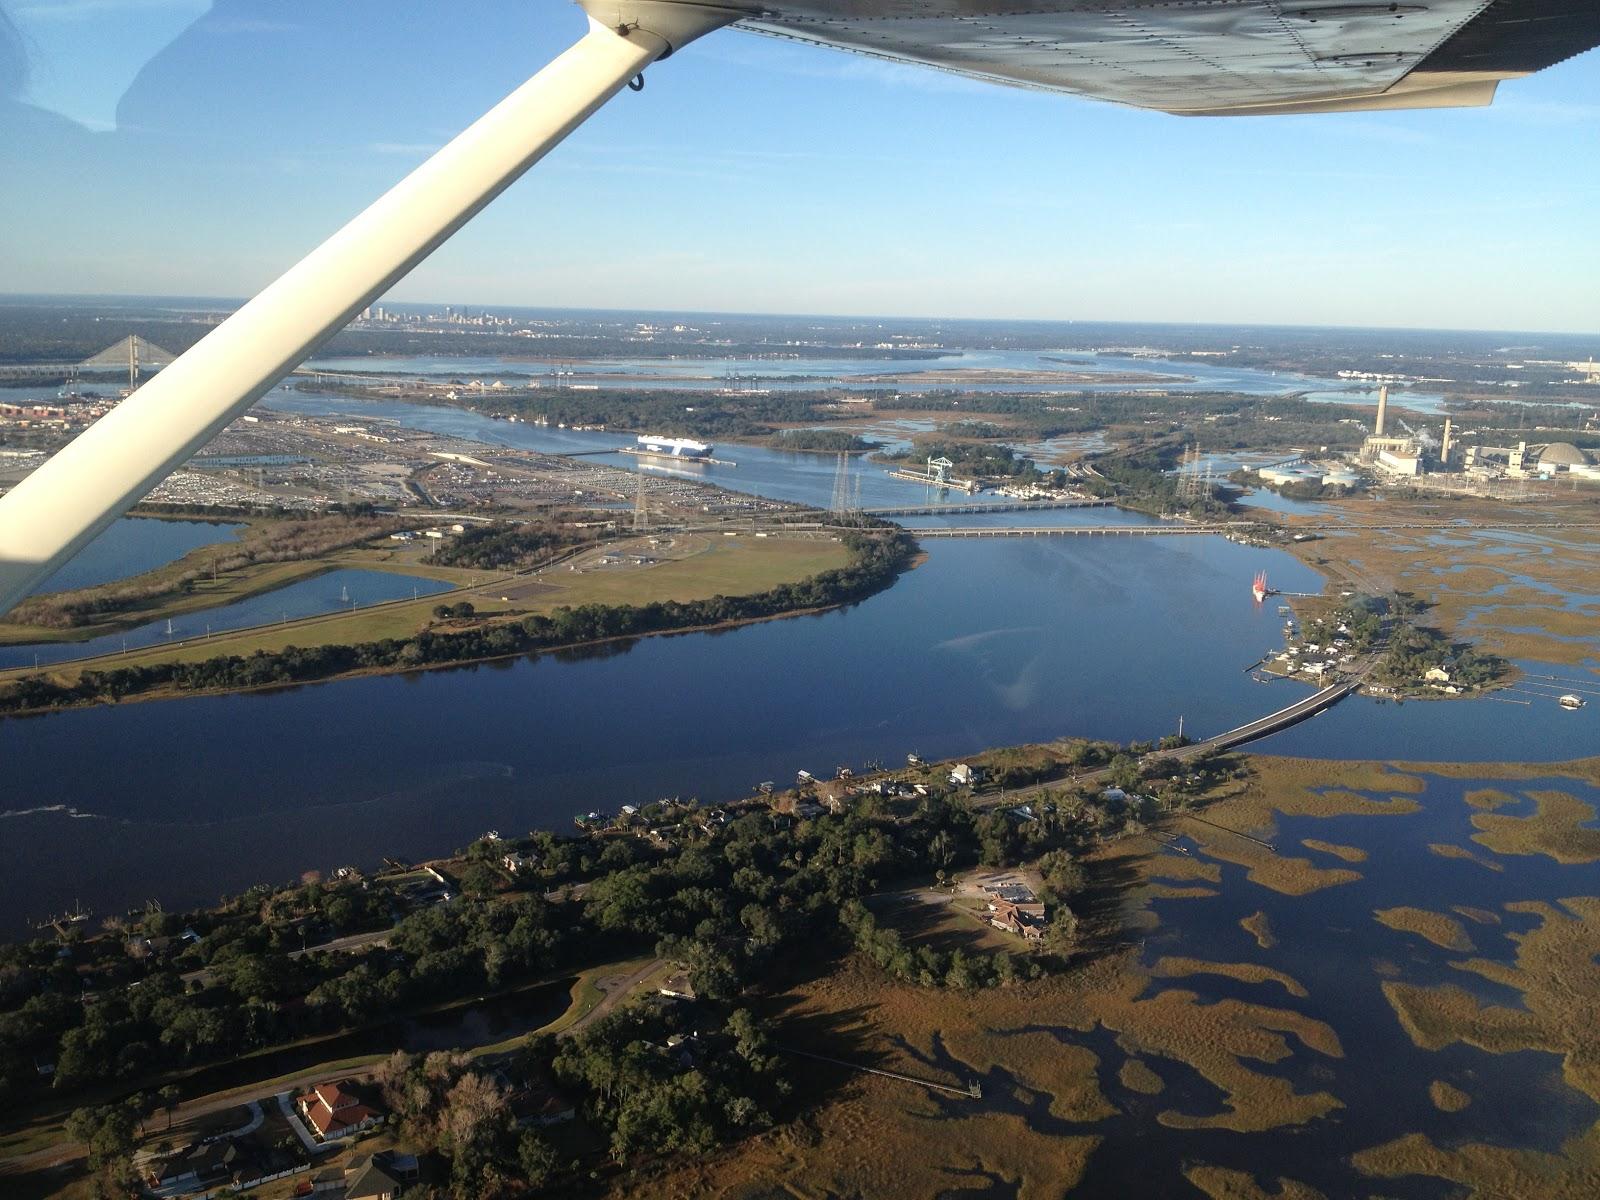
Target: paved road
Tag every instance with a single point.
(355, 941)
(616, 989)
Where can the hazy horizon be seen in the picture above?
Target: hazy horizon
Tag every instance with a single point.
(227, 302)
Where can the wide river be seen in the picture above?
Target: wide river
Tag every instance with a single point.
(989, 642)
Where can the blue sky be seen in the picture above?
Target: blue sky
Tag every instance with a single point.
(189, 148)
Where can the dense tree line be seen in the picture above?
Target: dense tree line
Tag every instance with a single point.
(875, 558)
(1414, 650)
(738, 899)
(1144, 480)
(971, 458)
(833, 441)
(500, 546)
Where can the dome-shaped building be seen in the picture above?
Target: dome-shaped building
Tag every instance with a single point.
(1562, 454)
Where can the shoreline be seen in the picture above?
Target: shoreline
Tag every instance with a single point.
(914, 559)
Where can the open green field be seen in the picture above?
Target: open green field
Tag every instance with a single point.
(708, 566)
(715, 566)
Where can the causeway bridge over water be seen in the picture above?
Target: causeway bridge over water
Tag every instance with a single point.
(981, 531)
(945, 510)
(1250, 731)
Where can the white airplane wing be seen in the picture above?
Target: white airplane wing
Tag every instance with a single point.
(1180, 56)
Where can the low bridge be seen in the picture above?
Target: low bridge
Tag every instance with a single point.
(1002, 531)
(942, 510)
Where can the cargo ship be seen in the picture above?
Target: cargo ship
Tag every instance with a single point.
(670, 447)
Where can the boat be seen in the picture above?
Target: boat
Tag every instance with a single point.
(1571, 701)
(670, 447)
(1258, 587)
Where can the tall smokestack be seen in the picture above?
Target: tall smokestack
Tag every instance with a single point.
(1444, 445)
(1383, 410)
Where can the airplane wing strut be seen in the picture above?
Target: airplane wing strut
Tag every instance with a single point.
(72, 497)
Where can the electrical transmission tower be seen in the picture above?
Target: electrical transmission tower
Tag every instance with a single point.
(1189, 475)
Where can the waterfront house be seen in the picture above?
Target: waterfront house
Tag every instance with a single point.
(1014, 918)
(334, 1111)
(966, 776)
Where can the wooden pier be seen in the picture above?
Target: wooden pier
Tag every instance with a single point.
(973, 1090)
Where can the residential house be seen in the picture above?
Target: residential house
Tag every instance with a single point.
(365, 1179)
(1014, 918)
(334, 1111)
(677, 985)
(966, 776)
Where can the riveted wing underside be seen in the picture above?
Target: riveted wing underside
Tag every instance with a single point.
(1212, 56)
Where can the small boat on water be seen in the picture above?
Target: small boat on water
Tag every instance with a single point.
(1571, 701)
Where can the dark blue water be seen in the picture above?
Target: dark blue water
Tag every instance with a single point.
(990, 642)
(1330, 942)
(345, 588)
(132, 545)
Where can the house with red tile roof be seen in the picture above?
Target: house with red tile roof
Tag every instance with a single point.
(334, 1111)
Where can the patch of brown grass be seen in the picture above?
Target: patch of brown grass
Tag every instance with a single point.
(1352, 854)
(1450, 850)
(1308, 787)
(1447, 1098)
(1220, 1183)
(1559, 978)
(1556, 829)
(1268, 869)
(1177, 967)
(1136, 1076)
(1437, 928)
(1494, 1172)
(1183, 867)
(1162, 891)
(1258, 926)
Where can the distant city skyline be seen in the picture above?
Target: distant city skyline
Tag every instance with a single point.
(180, 148)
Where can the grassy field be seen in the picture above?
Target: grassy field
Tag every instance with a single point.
(705, 566)
(942, 922)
